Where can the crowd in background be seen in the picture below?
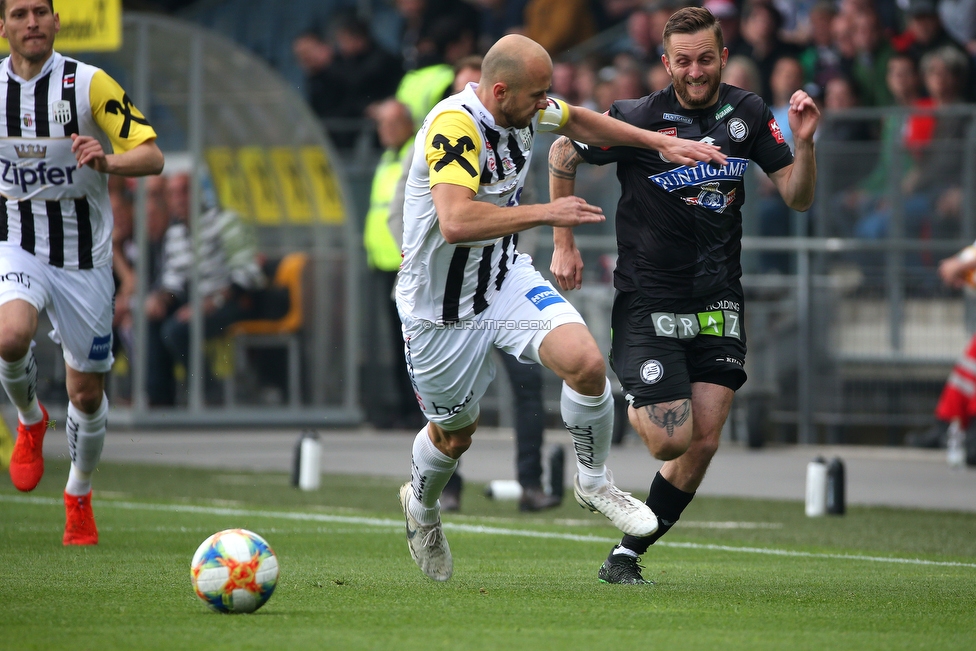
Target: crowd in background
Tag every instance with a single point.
(347, 69)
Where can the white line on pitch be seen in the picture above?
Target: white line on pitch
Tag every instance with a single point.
(469, 528)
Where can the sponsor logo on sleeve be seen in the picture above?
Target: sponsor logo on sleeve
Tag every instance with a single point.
(453, 153)
(776, 131)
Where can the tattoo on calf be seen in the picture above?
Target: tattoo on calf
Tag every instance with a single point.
(669, 416)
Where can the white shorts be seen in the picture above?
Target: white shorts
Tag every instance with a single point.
(78, 303)
(451, 365)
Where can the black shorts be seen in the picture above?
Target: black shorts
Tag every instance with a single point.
(660, 347)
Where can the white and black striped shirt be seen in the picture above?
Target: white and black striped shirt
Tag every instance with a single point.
(50, 207)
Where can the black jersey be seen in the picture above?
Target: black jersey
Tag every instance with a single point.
(679, 228)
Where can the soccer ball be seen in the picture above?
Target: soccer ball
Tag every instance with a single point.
(234, 571)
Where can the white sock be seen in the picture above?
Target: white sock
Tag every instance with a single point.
(620, 549)
(79, 482)
(86, 436)
(590, 421)
(19, 380)
(430, 472)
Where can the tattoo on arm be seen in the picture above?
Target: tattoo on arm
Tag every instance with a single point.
(669, 416)
(564, 159)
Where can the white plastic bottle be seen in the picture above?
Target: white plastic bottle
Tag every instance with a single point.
(816, 505)
(956, 445)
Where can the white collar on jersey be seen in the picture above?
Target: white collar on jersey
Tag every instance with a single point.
(470, 99)
(48, 66)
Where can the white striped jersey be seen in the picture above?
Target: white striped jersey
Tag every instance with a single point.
(49, 206)
(227, 255)
(460, 143)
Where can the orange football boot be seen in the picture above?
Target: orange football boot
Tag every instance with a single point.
(79, 526)
(27, 461)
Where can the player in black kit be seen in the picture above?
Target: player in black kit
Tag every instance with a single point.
(678, 344)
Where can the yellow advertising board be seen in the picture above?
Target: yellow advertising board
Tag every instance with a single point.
(291, 181)
(229, 182)
(260, 178)
(325, 188)
(86, 26)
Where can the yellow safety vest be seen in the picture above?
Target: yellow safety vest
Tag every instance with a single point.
(421, 89)
(382, 251)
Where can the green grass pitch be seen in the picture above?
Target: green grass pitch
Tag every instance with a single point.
(734, 574)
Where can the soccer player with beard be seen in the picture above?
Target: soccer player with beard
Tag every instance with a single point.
(65, 127)
(678, 343)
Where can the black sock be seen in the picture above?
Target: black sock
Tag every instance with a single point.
(667, 502)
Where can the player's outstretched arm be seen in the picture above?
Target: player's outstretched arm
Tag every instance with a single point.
(142, 160)
(602, 130)
(462, 219)
(567, 263)
(796, 183)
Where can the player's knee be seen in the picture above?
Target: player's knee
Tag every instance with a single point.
(589, 374)
(457, 444)
(14, 344)
(705, 447)
(86, 398)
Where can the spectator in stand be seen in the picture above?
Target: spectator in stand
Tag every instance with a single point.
(774, 215)
(728, 16)
(760, 29)
(821, 60)
(959, 19)
(628, 81)
(345, 76)
(496, 18)
(740, 71)
(558, 25)
(564, 81)
(931, 190)
(924, 33)
(229, 275)
(587, 78)
(842, 32)
(871, 62)
(448, 41)
(845, 159)
(657, 77)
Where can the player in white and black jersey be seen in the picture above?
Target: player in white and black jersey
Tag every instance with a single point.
(678, 340)
(64, 127)
(463, 288)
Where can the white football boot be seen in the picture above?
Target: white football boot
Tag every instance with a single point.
(427, 544)
(627, 513)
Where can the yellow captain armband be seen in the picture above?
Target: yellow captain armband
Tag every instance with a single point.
(452, 148)
(554, 116)
(117, 116)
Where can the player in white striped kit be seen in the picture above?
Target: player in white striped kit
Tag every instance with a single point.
(59, 119)
(464, 288)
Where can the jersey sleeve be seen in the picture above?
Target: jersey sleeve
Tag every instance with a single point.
(554, 116)
(117, 116)
(604, 155)
(452, 148)
(770, 149)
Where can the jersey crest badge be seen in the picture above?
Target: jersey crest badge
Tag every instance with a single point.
(61, 112)
(738, 130)
(711, 198)
(28, 120)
